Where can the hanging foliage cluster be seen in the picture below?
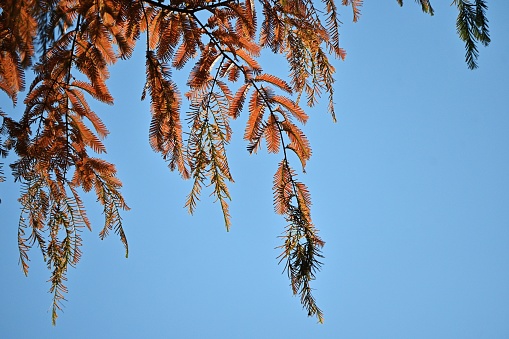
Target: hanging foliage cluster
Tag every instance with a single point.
(69, 46)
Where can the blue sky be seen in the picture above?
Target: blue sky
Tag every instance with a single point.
(410, 191)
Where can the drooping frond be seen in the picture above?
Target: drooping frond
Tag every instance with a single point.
(165, 127)
(11, 75)
(169, 34)
(283, 188)
(254, 123)
(332, 23)
(302, 245)
(108, 194)
(472, 27)
(191, 41)
(273, 134)
(302, 254)
(356, 8)
(237, 103)
(272, 30)
(299, 143)
(206, 149)
(47, 203)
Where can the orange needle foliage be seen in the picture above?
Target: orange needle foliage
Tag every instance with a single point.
(62, 40)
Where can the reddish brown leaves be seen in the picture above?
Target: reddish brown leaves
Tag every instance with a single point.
(58, 127)
(283, 188)
(79, 40)
(165, 127)
(356, 4)
(254, 127)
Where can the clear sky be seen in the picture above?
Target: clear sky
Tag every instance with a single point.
(410, 191)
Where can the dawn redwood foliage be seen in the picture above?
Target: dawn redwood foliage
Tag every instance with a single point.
(69, 45)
